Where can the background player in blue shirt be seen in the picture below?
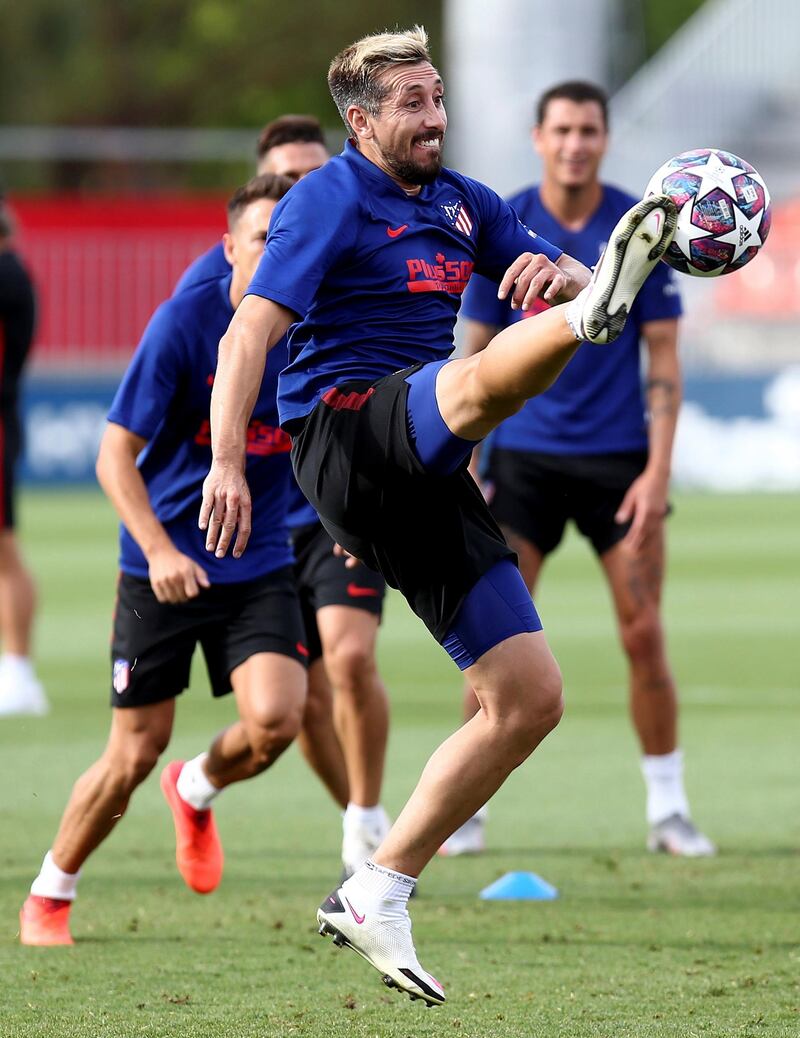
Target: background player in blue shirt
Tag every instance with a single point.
(592, 450)
(341, 608)
(373, 252)
(172, 594)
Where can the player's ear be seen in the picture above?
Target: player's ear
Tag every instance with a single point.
(359, 122)
(228, 246)
(536, 138)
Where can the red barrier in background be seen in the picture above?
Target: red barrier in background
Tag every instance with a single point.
(102, 265)
(769, 287)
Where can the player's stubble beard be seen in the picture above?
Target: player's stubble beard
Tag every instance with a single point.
(411, 172)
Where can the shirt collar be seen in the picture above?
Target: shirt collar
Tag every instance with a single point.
(352, 155)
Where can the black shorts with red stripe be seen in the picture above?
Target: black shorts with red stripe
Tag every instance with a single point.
(153, 642)
(323, 579)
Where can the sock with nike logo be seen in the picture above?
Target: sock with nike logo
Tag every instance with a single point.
(383, 884)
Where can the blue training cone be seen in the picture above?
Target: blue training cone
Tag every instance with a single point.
(519, 886)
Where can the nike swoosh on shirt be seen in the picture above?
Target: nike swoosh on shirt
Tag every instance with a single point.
(395, 232)
(354, 591)
(358, 918)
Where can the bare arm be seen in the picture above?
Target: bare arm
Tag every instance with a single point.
(256, 326)
(646, 500)
(174, 576)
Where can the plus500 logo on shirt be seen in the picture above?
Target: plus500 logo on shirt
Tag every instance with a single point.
(441, 276)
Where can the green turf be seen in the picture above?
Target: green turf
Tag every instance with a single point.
(636, 945)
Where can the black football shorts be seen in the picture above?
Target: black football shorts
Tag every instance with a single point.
(536, 495)
(432, 536)
(153, 643)
(323, 579)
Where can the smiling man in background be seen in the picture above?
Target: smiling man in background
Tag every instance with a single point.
(596, 447)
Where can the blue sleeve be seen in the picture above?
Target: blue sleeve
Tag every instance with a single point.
(503, 237)
(149, 385)
(210, 265)
(659, 298)
(480, 303)
(310, 229)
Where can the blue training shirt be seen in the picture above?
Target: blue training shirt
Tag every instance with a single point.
(376, 275)
(596, 406)
(211, 266)
(165, 398)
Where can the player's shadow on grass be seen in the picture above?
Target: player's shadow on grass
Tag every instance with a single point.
(132, 939)
(532, 853)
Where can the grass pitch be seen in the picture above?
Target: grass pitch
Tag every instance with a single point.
(636, 945)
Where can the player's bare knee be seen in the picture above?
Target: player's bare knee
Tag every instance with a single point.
(547, 707)
(351, 667)
(642, 636)
(270, 735)
(9, 552)
(129, 766)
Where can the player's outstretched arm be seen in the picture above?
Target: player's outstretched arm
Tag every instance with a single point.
(256, 326)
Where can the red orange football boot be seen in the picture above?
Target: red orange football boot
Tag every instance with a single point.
(44, 921)
(198, 851)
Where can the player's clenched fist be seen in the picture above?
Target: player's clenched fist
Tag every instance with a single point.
(174, 577)
(226, 507)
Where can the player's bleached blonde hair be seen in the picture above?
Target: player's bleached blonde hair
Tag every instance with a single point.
(354, 76)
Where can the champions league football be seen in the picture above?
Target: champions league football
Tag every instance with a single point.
(724, 211)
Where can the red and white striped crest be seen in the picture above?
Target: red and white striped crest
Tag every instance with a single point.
(458, 217)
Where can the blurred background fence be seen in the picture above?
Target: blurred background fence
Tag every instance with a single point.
(114, 159)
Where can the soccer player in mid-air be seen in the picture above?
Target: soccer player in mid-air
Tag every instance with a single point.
(20, 690)
(591, 450)
(372, 253)
(341, 607)
(172, 595)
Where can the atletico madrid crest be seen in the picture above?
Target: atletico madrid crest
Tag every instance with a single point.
(457, 216)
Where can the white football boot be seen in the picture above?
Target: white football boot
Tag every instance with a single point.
(380, 931)
(469, 838)
(20, 691)
(679, 835)
(360, 841)
(642, 236)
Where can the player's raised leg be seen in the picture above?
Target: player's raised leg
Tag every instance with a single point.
(99, 799)
(475, 394)
(270, 691)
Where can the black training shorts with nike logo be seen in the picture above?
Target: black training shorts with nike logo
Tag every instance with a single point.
(153, 642)
(323, 579)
